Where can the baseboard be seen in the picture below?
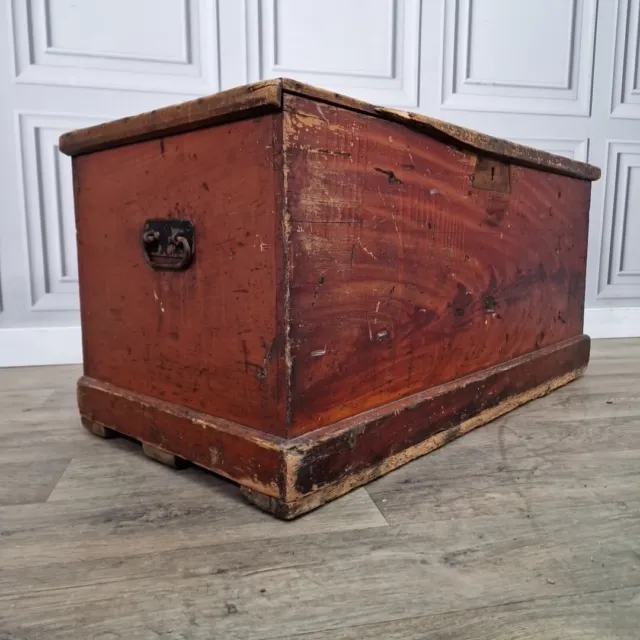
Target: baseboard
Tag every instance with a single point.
(24, 347)
(612, 322)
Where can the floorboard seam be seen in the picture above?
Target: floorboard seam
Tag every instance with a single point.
(453, 611)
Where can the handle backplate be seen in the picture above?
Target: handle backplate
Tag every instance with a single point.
(168, 245)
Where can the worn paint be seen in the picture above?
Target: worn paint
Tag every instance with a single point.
(368, 225)
(292, 476)
(348, 309)
(215, 364)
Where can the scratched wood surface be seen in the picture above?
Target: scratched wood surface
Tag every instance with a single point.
(405, 273)
(232, 104)
(451, 133)
(267, 95)
(205, 338)
(526, 529)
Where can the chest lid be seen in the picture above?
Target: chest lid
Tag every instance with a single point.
(267, 97)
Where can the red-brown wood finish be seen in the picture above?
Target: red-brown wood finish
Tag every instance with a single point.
(404, 274)
(267, 96)
(210, 337)
(367, 285)
(289, 477)
(244, 455)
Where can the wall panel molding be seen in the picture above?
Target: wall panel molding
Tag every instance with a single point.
(498, 66)
(564, 84)
(253, 39)
(569, 147)
(625, 89)
(304, 41)
(49, 46)
(239, 42)
(493, 85)
(182, 28)
(47, 209)
(621, 188)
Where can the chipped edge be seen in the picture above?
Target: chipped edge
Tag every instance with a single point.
(237, 103)
(299, 504)
(287, 228)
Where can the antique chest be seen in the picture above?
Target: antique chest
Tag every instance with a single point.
(301, 291)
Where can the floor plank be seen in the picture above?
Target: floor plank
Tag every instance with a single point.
(28, 483)
(123, 504)
(528, 528)
(338, 579)
(604, 615)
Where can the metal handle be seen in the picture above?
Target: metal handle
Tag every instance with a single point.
(168, 245)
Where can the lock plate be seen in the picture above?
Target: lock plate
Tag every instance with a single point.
(492, 175)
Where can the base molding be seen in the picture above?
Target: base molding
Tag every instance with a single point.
(291, 510)
(289, 477)
(612, 322)
(35, 346)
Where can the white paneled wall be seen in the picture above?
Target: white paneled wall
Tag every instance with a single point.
(140, 45)
(372, 50)
(519, 57)
(561, 75)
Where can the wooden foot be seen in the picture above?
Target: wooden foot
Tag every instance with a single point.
(98, 429)
(164, 457)
(280, 508)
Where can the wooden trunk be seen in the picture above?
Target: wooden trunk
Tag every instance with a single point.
(362, 285)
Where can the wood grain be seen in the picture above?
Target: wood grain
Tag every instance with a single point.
(361, 293)
(30, 482)
(209, 338)
(451, 133)
(403, 274)
(234, 104)
(329, 462)
(600, 615)
(244, 455)
(493, 147)
(262, 97)
(289, 477)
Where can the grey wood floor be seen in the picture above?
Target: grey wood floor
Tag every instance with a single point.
(526, 528)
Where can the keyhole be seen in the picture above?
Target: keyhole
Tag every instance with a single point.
(493, 171)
